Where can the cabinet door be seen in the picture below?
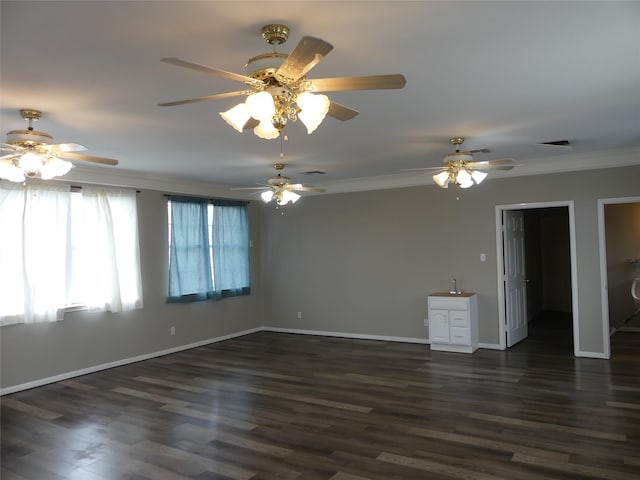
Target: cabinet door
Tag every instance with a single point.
(438, 326)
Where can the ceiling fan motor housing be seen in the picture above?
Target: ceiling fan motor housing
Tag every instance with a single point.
(28, 138)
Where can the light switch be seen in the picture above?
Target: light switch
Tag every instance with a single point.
(483, 257)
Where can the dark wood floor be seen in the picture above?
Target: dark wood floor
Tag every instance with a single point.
(279, 406)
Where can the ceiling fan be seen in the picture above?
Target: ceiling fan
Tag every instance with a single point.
(280, 188)
(279, 91)
(33, 154)
(460, 169)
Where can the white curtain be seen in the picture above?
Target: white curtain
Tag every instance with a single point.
(111, 255)
(33, 240)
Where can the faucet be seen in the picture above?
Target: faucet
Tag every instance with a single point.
(454, 287)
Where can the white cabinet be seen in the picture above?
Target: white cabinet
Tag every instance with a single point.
(453, 322)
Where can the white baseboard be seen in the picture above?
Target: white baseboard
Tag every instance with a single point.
(124, 361)
(347, 335)
(490, 346)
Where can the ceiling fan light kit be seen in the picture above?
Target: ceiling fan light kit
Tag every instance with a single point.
(279, 90)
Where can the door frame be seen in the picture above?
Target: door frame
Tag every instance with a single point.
(574, 272)
(604, 290)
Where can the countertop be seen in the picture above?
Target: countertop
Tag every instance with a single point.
(447, 294)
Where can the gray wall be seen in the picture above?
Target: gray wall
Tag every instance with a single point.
(363, 263)
(622, 230)
(84, 340)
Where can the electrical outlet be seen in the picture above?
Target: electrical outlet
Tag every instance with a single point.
(173, 330)
(299, 315)
(483, 257)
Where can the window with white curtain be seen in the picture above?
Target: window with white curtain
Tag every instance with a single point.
(60, 248)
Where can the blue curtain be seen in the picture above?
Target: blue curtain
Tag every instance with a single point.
(231, 249)
(190, 277)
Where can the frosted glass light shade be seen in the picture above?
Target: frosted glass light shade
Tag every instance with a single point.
(288, 196)
(442, 179)
(30, 162)
(54, 168)
(8, 171)
(464, 179)
(265, 129)
(314, 108)
(478, 176)
(237, 116)
(260, 106)
(267, 195)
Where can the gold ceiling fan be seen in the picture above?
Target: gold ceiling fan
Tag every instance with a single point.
(33, 153)
(459, 168)
(280, 188)
(279, 91)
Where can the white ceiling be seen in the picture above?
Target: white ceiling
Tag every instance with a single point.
(505, 75)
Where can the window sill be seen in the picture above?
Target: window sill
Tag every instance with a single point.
(76, 307)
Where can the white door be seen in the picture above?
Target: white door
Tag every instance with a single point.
(515, 281)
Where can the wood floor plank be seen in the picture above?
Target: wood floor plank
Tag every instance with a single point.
(347, 476)
(581, 470)
(434, 467)
(483, 442)
(279, 406)
(549, 426)
(166, 455)
(30, 409)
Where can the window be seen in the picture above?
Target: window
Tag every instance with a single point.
(208, 249)
(60, 248)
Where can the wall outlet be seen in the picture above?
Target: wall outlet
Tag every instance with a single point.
(173, 330)
(483, 257)
(299, 315)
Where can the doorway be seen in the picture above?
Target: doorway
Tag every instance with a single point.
(619, 244)
(531, 285)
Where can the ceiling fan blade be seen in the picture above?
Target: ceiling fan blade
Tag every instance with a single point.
(372, 82)
(305, 56)
(500, 164)
(422, 169)
(263, 186)
(341, 112)
(88, 158)
(8, 146)
(217, 96)
(9, 156)
(213, 71)
(304, 188)
(480, 150)
(64, 147)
